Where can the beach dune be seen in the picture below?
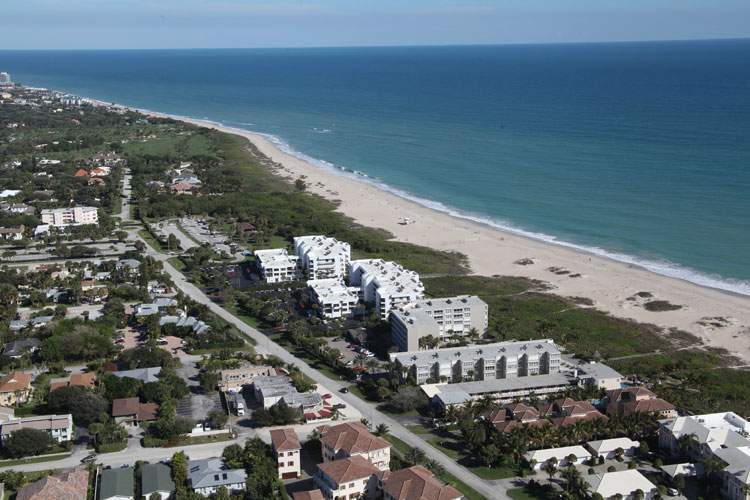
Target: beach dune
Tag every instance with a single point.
(720, 319)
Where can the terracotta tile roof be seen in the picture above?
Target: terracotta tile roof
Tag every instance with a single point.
(348, 469)
(285, 440)
(417, 483)
(15, 381)
(72, 485)
(635, 400)
(77, 379)
(81, 173)
(509, 425)
(308, 495)
(352, 437)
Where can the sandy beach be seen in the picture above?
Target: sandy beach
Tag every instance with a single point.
(719, 318)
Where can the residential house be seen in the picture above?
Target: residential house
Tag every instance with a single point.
(631, 400)
(352, 439)
(564, 456)
(71, 485)
(131, 411)
(81, 172)
(286, 448)
(206, 476)
(15, 388)
(156, 479)
(625, 484)
(14, 233)
(234, 379)
(415, 483)
(353, 477)
(59, 427)
(308, 495)
(87, 380)
(509, 417)
(117, 484)
(610, 448)
(18, 348)
(568, 411)
(145, 375)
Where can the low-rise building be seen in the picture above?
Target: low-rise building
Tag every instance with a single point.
(234, 379)
(507, 418)
(735, 477)
(131, 411)
(333, 297)
(352, 439)
(87, 380)
(15, 388)
(206, 476)
(352, 477)
(438, 319)
(117, 484)
(415, 482)
(145, 375)
(271, 390)
(14, 233)
(18, 348)
(564, 456)
(276, 265)
(611, 448)
(386, 284)
(567, 411)
(156, 479)
(631, 400)
(322, 257)
(59, 427)
(286, 449)
(73, 216)
(624, 484)
(711, 432)
(71, 485)
(599, 376)
(308, 495)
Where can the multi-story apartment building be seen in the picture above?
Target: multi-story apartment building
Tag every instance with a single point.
(286, 448)
(502, 360)
(333, 297)
(386, 284)
(59, 427)
(73, 216)
(277, 266)
(438, 318)
(322, 257)
(351, 439)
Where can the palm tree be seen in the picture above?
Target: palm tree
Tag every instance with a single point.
(550, 467)
(415, 456)
(434, 466)
(381, 430)
(365, 422)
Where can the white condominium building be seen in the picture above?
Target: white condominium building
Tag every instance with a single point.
(439, 318)
(502, 360)
(386, 284)
(74, 216)
(334, 298)
(276, 265)
(322, 257)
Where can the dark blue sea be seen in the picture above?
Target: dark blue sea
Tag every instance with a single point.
(637, 151)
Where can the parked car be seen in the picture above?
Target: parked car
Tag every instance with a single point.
(344, 390)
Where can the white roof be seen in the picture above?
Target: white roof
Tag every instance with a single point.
(715, 430)
(623, 482)
(686, 469)
(607, 445)
(275, 257)
(321, 247)
(333, 290)
(541, 456)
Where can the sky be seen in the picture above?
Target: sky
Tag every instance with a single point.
(118, 24)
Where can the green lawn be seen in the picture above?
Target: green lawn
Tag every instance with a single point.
(195, 144)
(148, 238)
(177, 263)
(34, 460)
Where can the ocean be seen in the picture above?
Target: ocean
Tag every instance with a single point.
(636, 151)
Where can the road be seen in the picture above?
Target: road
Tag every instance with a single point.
(265, 346)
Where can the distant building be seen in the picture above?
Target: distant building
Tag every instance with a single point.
(352, 477)
(439, 319)
(206, 476)
(71, 485)
(415, 482)
(156, 479)
(14, 233)
(286, 449)
(117, 484)
(18, 348)
(386, 284)
(276, 265)
(59, 427)
(322, 257)
(75, 216)
(5, 80)
(352, 439)
(564, 456)
(333, 297)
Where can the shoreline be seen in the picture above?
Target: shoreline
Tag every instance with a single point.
(610, 284)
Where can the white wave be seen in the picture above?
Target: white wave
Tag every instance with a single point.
(321, 130)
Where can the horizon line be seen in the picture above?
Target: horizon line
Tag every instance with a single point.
(417, 45)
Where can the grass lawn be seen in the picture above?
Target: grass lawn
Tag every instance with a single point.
(418, 429)
(453, 447)
(34, 460)
(177, 263)
(148, 238)
(188, 441)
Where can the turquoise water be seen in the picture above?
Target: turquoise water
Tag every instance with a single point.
(638, 151)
